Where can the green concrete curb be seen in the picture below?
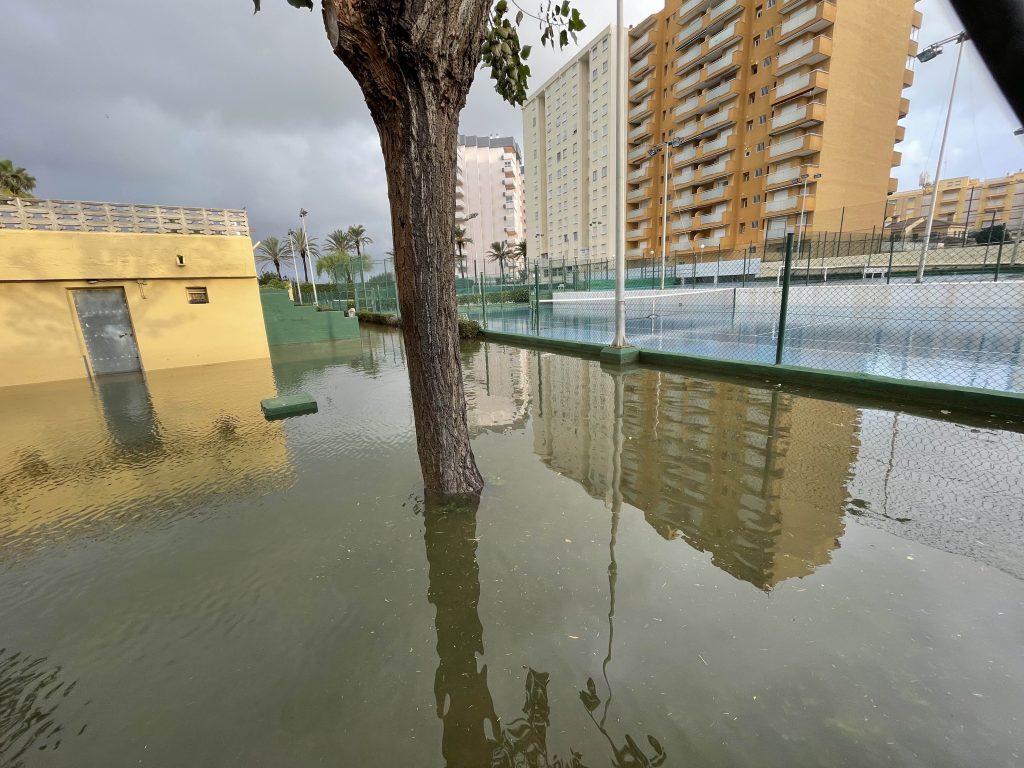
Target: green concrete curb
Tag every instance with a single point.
(620, 355)
(288, 405)
(978, 401)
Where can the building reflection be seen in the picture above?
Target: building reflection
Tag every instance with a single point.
(473, 734)
(498, 384)
(756, 478)
(80, 457)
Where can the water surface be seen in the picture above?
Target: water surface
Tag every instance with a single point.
(747, 575)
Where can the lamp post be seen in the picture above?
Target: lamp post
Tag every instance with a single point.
(621, 42)
(665, 148)
(462, 258)
(801, 225)
(928, 54)
(303, 213)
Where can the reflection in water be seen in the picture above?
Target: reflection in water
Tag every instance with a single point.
(89, 458)
(732, 470)
(473, 735)
(30, 694)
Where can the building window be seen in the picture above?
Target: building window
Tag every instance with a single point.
(764, 90)
(750, 125)
(753, 224)
(762, 119)
(197, 295)
(757, 172)
(743, 203)
(746, 175)
(760, 146)
(771, 4)
(757, 198)
(757, 40)
(767, 62)
(750, 97)
(769, 33)
(758, 12)
(743, 227)
(753, 69)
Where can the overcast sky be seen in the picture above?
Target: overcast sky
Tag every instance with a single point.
(198, 102)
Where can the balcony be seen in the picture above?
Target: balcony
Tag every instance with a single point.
(904, 107)
(731, 60)
(638, 194)
(729, 34)
(687, 84)
(689, 32)
(807, 144)
(803, 53)
(788, 176)
(642, 110)
(687, 59)
(641, 132)
(691, 7)
(684, 178)
(798, 117)
(908, 78)
(641, 89)
(689, 129)
(721, 167)
(710, 219)
(720, 93)
(637, 154)
(641, 45)
(723, 10)
(640, 173)
(687, 109)
(813, 18)
(901, 133)
(790, 204)
(718, 119)
(636, 253)
(632, 233)
(788, 6)
(638, 213)
(719, 144)
(897, 159)
(713, 195)
(641, 68)
(685, 200)
(894, 184)
(681, 224)
(684, 156)
(681, 245)
(806, 83)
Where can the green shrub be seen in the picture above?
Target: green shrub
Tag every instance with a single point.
(270, 280)
(468, 329)
(379, 318)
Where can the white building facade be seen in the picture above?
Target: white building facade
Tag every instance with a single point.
(569, 137)
(489, 198)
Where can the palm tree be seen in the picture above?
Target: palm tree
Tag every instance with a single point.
(271, 251)
(462, 239)
(358, 238)
(520, 249)
(297, 247)
(339, 244)
(501, 253)
(15, 181)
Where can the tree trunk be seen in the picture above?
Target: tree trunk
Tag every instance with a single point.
(415, 63)
(277, 266)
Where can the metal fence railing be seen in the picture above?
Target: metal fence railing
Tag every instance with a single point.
(853, 305)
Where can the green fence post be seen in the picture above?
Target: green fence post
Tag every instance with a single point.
(536, 298)
(483, 295)
(784, 306)
(892, 247)
(999, 254)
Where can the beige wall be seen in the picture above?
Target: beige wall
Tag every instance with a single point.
(42, 339)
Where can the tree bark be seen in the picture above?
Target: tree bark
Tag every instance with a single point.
(414, 61)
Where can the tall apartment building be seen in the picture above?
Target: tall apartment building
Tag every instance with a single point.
(569, 137)
(964, 204)
(488, 196)
(770, 99)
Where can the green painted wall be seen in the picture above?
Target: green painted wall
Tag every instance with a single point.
(288, 324)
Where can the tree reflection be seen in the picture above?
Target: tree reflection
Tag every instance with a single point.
(30, 693)
(473, 735)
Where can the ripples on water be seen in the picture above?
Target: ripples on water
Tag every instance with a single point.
(662, 570)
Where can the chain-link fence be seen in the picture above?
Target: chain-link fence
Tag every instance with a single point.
(953, 314)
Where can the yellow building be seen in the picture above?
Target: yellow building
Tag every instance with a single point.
(965, 204)
(91, 288)
(770, 99)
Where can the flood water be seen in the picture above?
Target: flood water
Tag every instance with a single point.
(663, 570)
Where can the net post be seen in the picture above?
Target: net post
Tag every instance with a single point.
(784, 306)
(536, 299)
(892, 247)
(483, 294)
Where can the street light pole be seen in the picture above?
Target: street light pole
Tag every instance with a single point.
(802, 224)
(621, 42)
(295, 266)
(305, 250)
(928, 54)
(665, 148)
